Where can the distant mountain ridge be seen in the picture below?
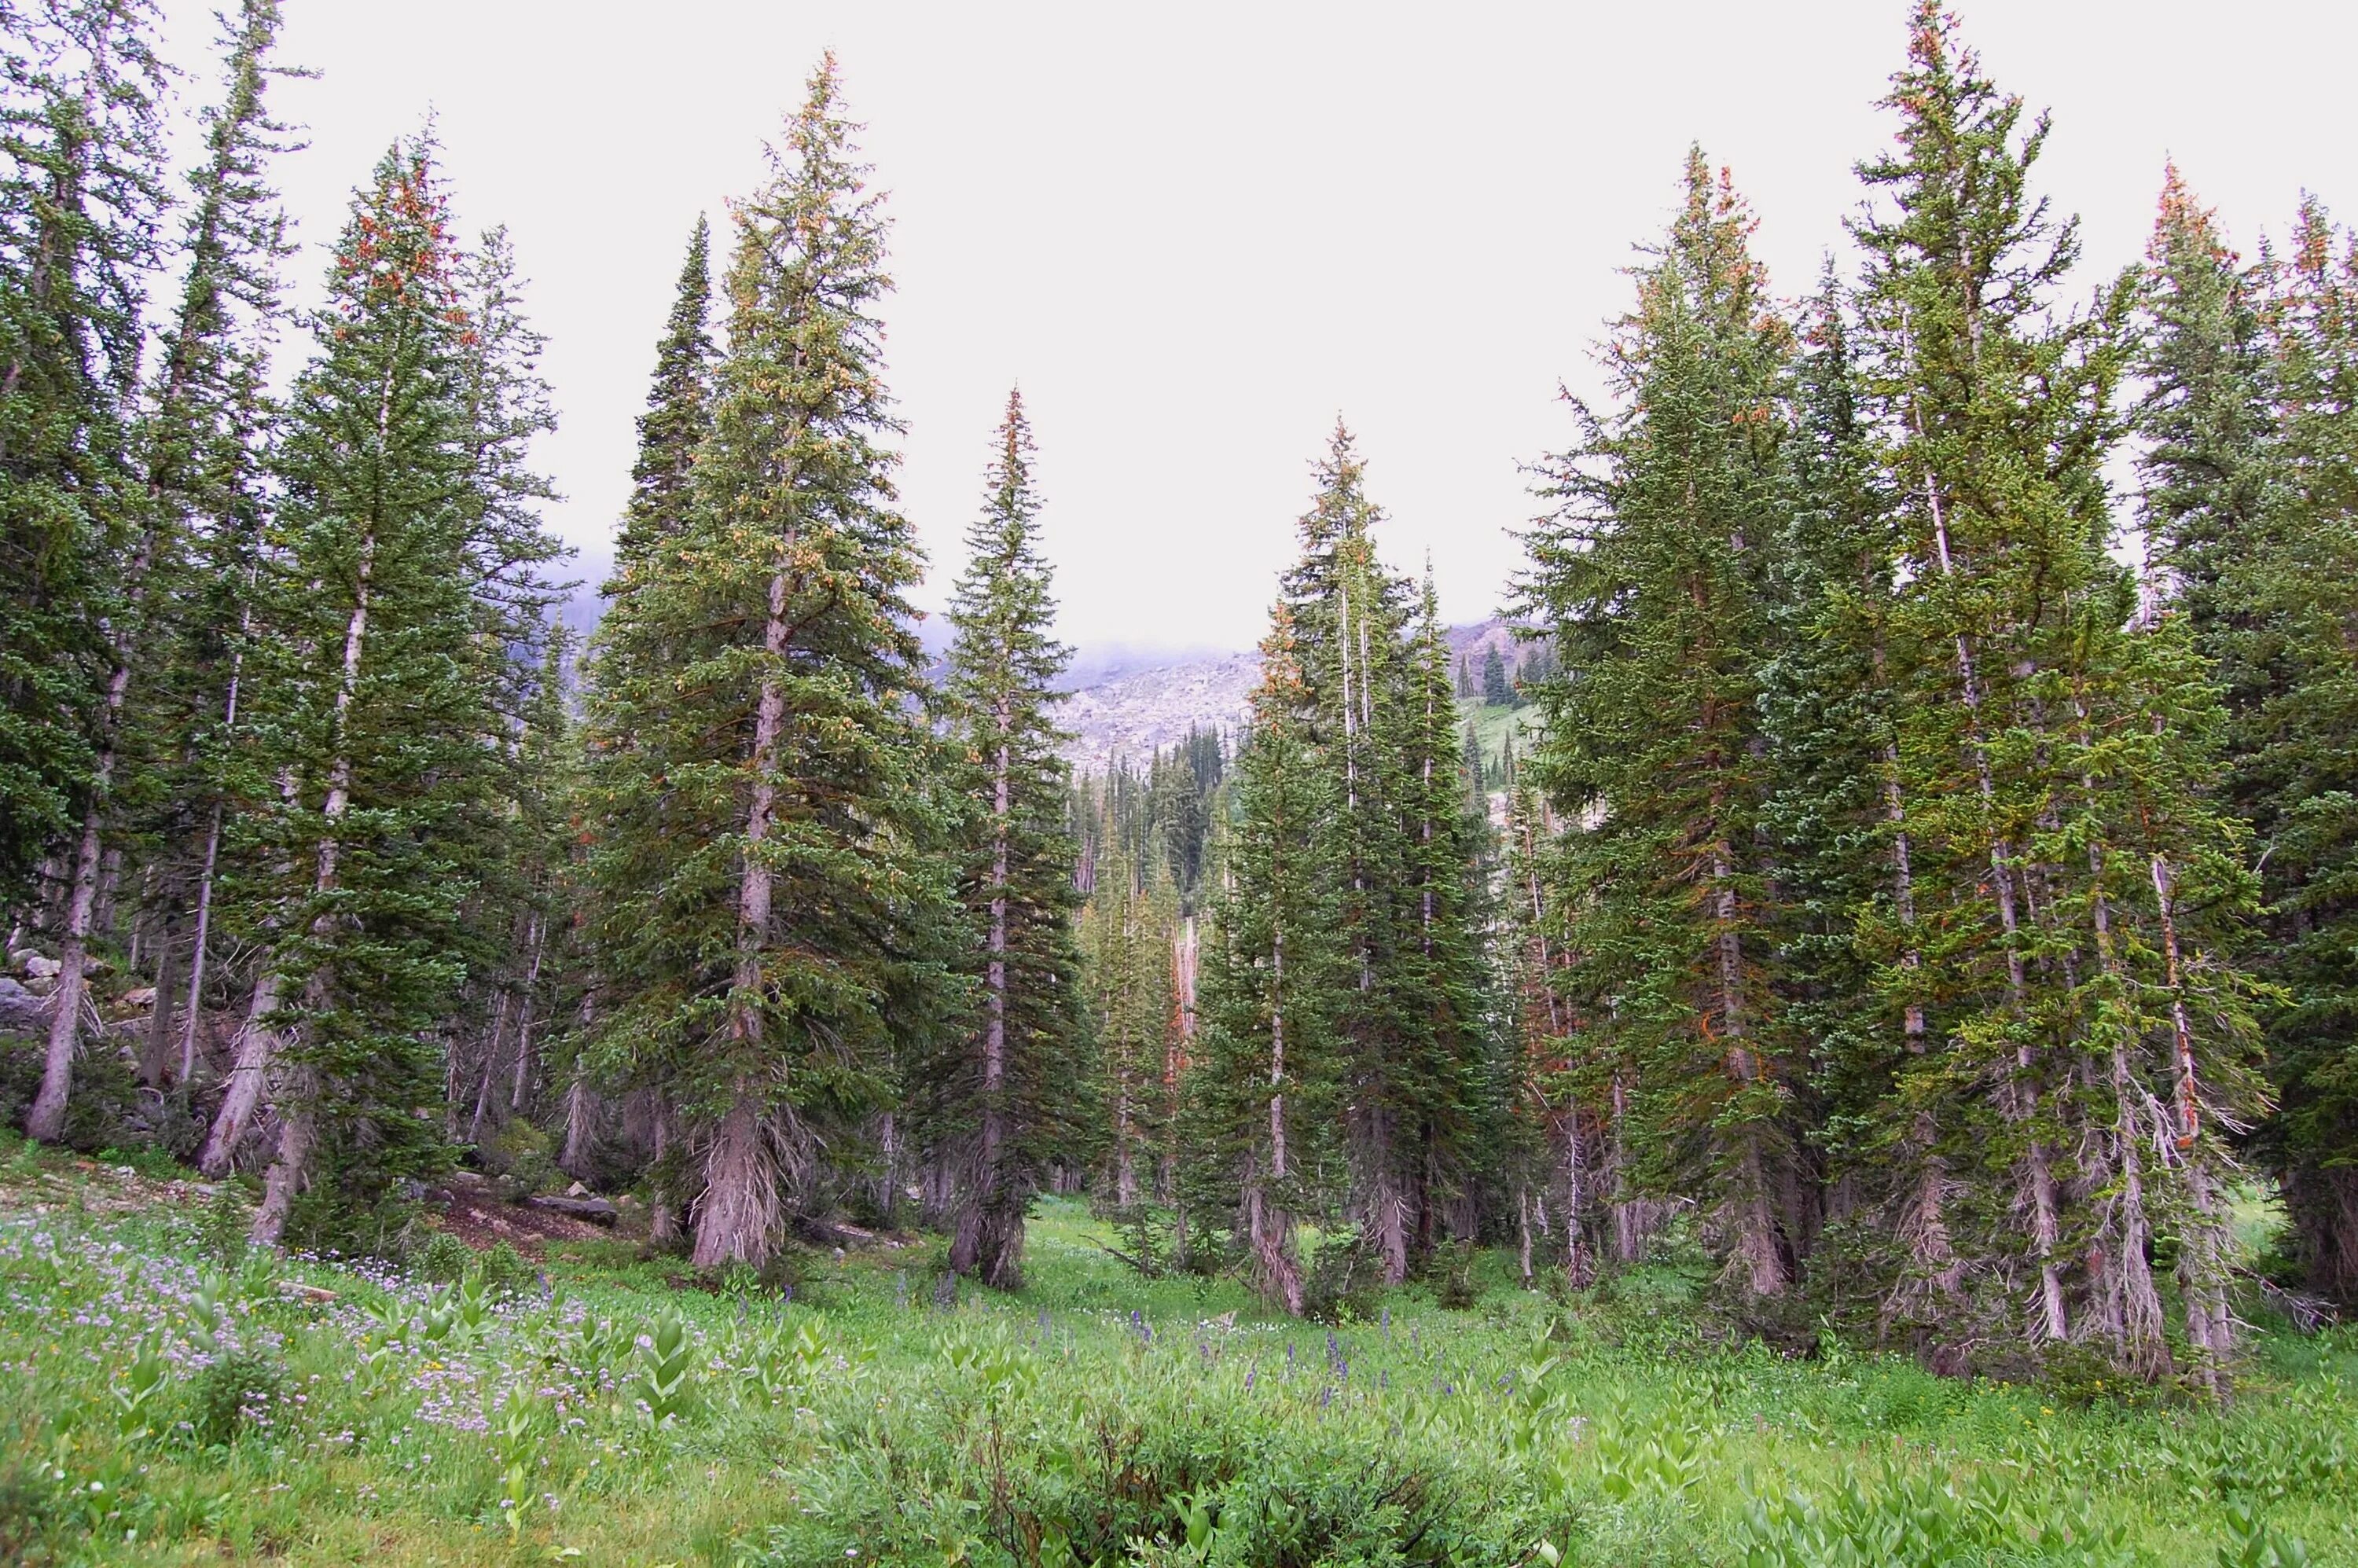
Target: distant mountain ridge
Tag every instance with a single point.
(1127, 704)
(1127, 701)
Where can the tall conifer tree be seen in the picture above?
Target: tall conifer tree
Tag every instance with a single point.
(1347, 615)
(1007, 1097)
(383, 699)
(2248, 496)
(636, 851)
(233, 246)
(678, 410)
(79, 201)
(1652, 582)
(753, 712)
(1263, 1093)
(2054, 756)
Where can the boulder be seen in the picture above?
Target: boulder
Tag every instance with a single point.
(577, 1191)
(37, 968)
(20, 1008)
(144, 997)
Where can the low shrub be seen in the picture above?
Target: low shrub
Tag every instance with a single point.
(240, 1392)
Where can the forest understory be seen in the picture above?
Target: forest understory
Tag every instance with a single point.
(172, 1397)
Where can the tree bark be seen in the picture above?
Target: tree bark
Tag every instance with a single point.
(738, 1215)
(287, 1172)
(1269, 1227)
(1756, 1252)
(155, 1054)
(256, 1041)
(197, 945)
(523, 1073)
(44, 1119)
(990, 1240)
(734, 1220)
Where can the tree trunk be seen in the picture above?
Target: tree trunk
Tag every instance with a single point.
(1630, 1221)
(1387, 1205)
(1269, 1234)
(1756, 1253)
(288, 1173)
(1125, 1165)
(663, 1205)
(156, 1054)
(737, 1218)
(1931, 1279)
(46, 1121)
(523, 1073)
(491, 1067)
(2203, 1268)
(257, 1043)
(580, 1107)
(212, 856)
(990, 1240)
(1579, 1267)
(737, 1214)
(1269, 1227)
(580, 1117)
(197, 945)
(290, 1170)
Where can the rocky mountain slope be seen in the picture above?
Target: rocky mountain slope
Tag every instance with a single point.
(1132, 715)
(1122, 710)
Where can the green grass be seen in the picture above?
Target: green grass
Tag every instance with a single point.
(1493, 725)
(1096, 1418)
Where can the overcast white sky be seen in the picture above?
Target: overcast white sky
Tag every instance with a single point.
(1196, 233)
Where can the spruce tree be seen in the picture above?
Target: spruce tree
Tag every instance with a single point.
(213, 423)
(2247, 497)
(380, 703)
(1650, 581)
(1007, 1098)
(1127, 930)
(1837, 825)
(634, 849)
(677, 412)
(1439, 982)
(769, 868)
(2054, 757)
(2295, 598)
(1262, 1093)
(1496, 690)
(80, 203)
(1346, 620)
(506, 923)
(231, 247)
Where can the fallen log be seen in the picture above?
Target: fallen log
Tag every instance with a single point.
(596, 1211)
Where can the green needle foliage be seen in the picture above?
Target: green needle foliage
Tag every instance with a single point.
(1007, 1096)
(1653, 580)
(2248, 498)
(80, 194)
(770, 849)
(400, 576)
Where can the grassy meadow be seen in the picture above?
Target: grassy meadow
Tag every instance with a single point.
(166, 1397)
